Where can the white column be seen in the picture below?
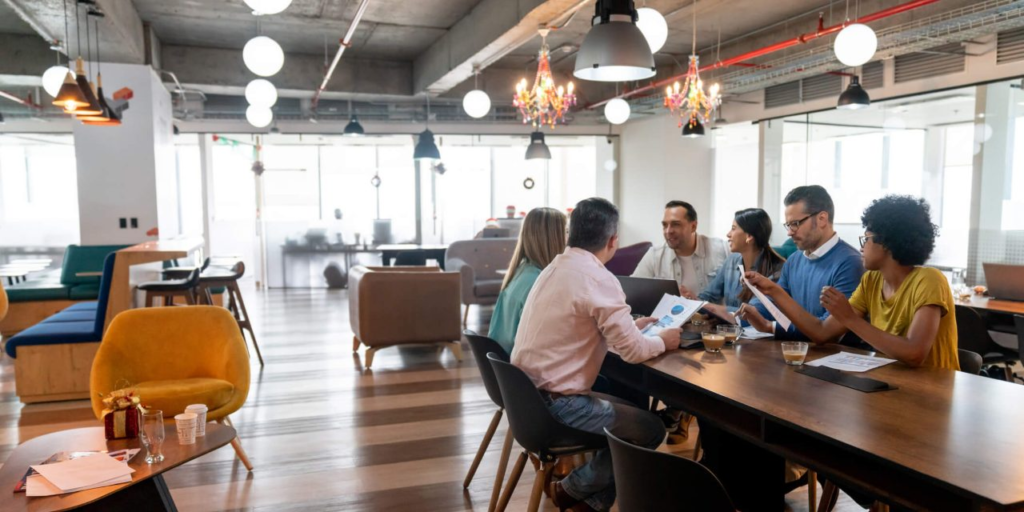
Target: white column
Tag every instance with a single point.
(769, 177)
(993, 137)
(128, 171)
(206, 182)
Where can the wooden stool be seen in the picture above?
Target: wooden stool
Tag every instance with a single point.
(171, 288)
(229, 281)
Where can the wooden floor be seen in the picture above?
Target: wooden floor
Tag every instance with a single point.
(326, 435)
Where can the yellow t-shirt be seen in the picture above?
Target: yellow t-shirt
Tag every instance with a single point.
(923, 287)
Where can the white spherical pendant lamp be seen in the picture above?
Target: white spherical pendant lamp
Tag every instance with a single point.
(856, 44)
(476, 103)
(261, 93)
(259, 117)
(268, 6)
(263, 56)
(654, 27)
(53, 78)
(617, 111)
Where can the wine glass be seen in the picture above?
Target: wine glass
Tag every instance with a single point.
(152, 435)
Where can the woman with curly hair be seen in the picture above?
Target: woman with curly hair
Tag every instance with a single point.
(902, 309)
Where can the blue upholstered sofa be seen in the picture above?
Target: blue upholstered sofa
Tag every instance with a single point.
(46, 294)
(53, 357)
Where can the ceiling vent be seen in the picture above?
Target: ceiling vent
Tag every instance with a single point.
(782, 95)
(821, 86)
(1010, 46)
(871, 76)
(937, 61)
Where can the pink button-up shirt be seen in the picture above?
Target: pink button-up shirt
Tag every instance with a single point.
(575, 311)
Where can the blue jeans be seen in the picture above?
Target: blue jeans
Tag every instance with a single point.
(594, 481)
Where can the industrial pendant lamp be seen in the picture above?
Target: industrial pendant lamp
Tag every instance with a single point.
(108, 116)
(693, 129)
(426, 149)
(538, 149)
(353, 128)
(854, 97)
(70, 96)
(93, 106)
(615, 50)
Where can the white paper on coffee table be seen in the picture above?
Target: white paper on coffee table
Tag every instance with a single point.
(849, 362)
(84, 472)
(36, 486)
(782, 319)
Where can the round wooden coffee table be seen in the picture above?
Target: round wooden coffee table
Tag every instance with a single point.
(147, 490)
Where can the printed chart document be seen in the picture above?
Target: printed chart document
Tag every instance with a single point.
(849, 362)
(782, 319)
(749, 333)
(672, 312)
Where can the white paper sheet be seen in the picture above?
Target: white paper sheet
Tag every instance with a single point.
(83, 472)
(849, 362)
(672, 311)
(782, 319)
(37, 486)
(749, 333)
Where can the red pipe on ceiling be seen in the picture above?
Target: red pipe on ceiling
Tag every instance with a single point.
(801, 39)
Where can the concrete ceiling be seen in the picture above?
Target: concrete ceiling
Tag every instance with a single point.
(403, 47)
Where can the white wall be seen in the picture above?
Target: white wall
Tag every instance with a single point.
(117, 165)
(657, 165)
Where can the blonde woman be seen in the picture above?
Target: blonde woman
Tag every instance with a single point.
(542, 238)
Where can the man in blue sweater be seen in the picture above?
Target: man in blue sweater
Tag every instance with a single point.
(822, 260)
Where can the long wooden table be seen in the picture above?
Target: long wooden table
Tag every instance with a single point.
(944, 440)
(121, 290)
(147, 491)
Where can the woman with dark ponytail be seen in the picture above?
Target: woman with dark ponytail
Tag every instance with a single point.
(749, 244)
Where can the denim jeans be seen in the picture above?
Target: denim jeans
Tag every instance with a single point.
(594, 481)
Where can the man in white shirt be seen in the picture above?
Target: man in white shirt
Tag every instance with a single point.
(688, 258)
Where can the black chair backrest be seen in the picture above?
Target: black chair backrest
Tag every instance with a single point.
(533, 426)
(482, 345)
(193, 278)
(970, 362)
(972, 332)
(1018, 321)
(415, 258)
(646, 480)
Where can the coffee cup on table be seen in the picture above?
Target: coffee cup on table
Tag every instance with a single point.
(186, 424)
(200, 411)
(794, 352)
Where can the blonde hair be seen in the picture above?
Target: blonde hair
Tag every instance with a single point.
(542, 238)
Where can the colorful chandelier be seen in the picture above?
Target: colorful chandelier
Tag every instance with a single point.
(689, 101)
(545, 103)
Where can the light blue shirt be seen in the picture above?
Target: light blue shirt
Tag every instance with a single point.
(509, 308)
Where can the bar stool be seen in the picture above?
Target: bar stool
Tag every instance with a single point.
(219, 278)
(171, 288)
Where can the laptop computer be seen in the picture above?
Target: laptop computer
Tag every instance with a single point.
(1005, 281)
(643, 294)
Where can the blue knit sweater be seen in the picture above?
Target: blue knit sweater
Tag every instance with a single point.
(803, 278)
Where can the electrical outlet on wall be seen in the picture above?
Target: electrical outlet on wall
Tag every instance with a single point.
(135, 223)
(123, 222)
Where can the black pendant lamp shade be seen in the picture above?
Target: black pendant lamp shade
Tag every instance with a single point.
(537, 150)
(854, 97)
(109, 116)
(70, 96)
(693, 129)
(353, 128)
(614, 50)
(426, 149)
(93, 107)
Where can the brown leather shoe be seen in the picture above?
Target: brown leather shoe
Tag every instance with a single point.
(559, 497)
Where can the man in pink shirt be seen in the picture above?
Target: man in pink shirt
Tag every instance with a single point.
(574, 313)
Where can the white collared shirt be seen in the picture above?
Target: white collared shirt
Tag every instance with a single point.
(824, 249)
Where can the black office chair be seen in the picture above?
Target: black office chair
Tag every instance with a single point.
(411, 259)
(171, 288)
(536, 430)
(482, 345)
(1018, 321)
(176, 271)
(647, 480)
(970, 362)
(972, 334)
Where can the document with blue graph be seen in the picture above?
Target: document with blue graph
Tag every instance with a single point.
(672, 311)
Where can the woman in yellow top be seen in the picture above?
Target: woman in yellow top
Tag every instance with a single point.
(900, 308)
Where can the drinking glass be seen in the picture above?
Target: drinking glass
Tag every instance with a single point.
(152, 435)
(794, 352)
(713, 341)
(959, 283)
(730, 331)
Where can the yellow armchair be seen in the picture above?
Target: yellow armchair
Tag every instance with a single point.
(175, 357)
(3, 302)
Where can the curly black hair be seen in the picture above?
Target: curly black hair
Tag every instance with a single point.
(903, 225)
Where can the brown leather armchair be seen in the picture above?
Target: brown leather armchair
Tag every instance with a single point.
(391, 306)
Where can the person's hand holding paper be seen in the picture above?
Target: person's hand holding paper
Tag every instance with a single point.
(764, 288)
